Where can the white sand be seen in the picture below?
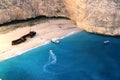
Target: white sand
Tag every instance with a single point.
(45, 32)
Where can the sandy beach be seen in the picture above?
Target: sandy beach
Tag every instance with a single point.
(44, 33)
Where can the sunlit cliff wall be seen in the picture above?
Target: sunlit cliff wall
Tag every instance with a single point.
(23, 9)
(97, 16)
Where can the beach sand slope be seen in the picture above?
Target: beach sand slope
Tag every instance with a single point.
(44, 33)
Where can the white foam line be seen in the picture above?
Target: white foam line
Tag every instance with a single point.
(69, 34)
(47, 42)
(19, 53)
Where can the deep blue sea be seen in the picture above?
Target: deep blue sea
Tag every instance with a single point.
(81, 56)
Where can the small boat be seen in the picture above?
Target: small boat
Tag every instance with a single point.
(107, 41)
(55, 40)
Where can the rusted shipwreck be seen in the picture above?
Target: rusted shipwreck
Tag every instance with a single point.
(22, 39)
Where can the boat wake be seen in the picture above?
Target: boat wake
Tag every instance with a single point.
(52, 60)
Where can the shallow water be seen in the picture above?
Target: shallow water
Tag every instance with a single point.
(82, 56)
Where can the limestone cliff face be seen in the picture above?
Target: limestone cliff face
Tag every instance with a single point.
(98, 16)
(23, 9)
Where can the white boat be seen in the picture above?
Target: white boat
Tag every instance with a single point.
(107, 41)
(55, 40)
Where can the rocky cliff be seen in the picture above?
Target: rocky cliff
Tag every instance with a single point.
(22, 9)
(98, 16)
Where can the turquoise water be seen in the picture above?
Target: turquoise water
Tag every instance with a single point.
(82, 56)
